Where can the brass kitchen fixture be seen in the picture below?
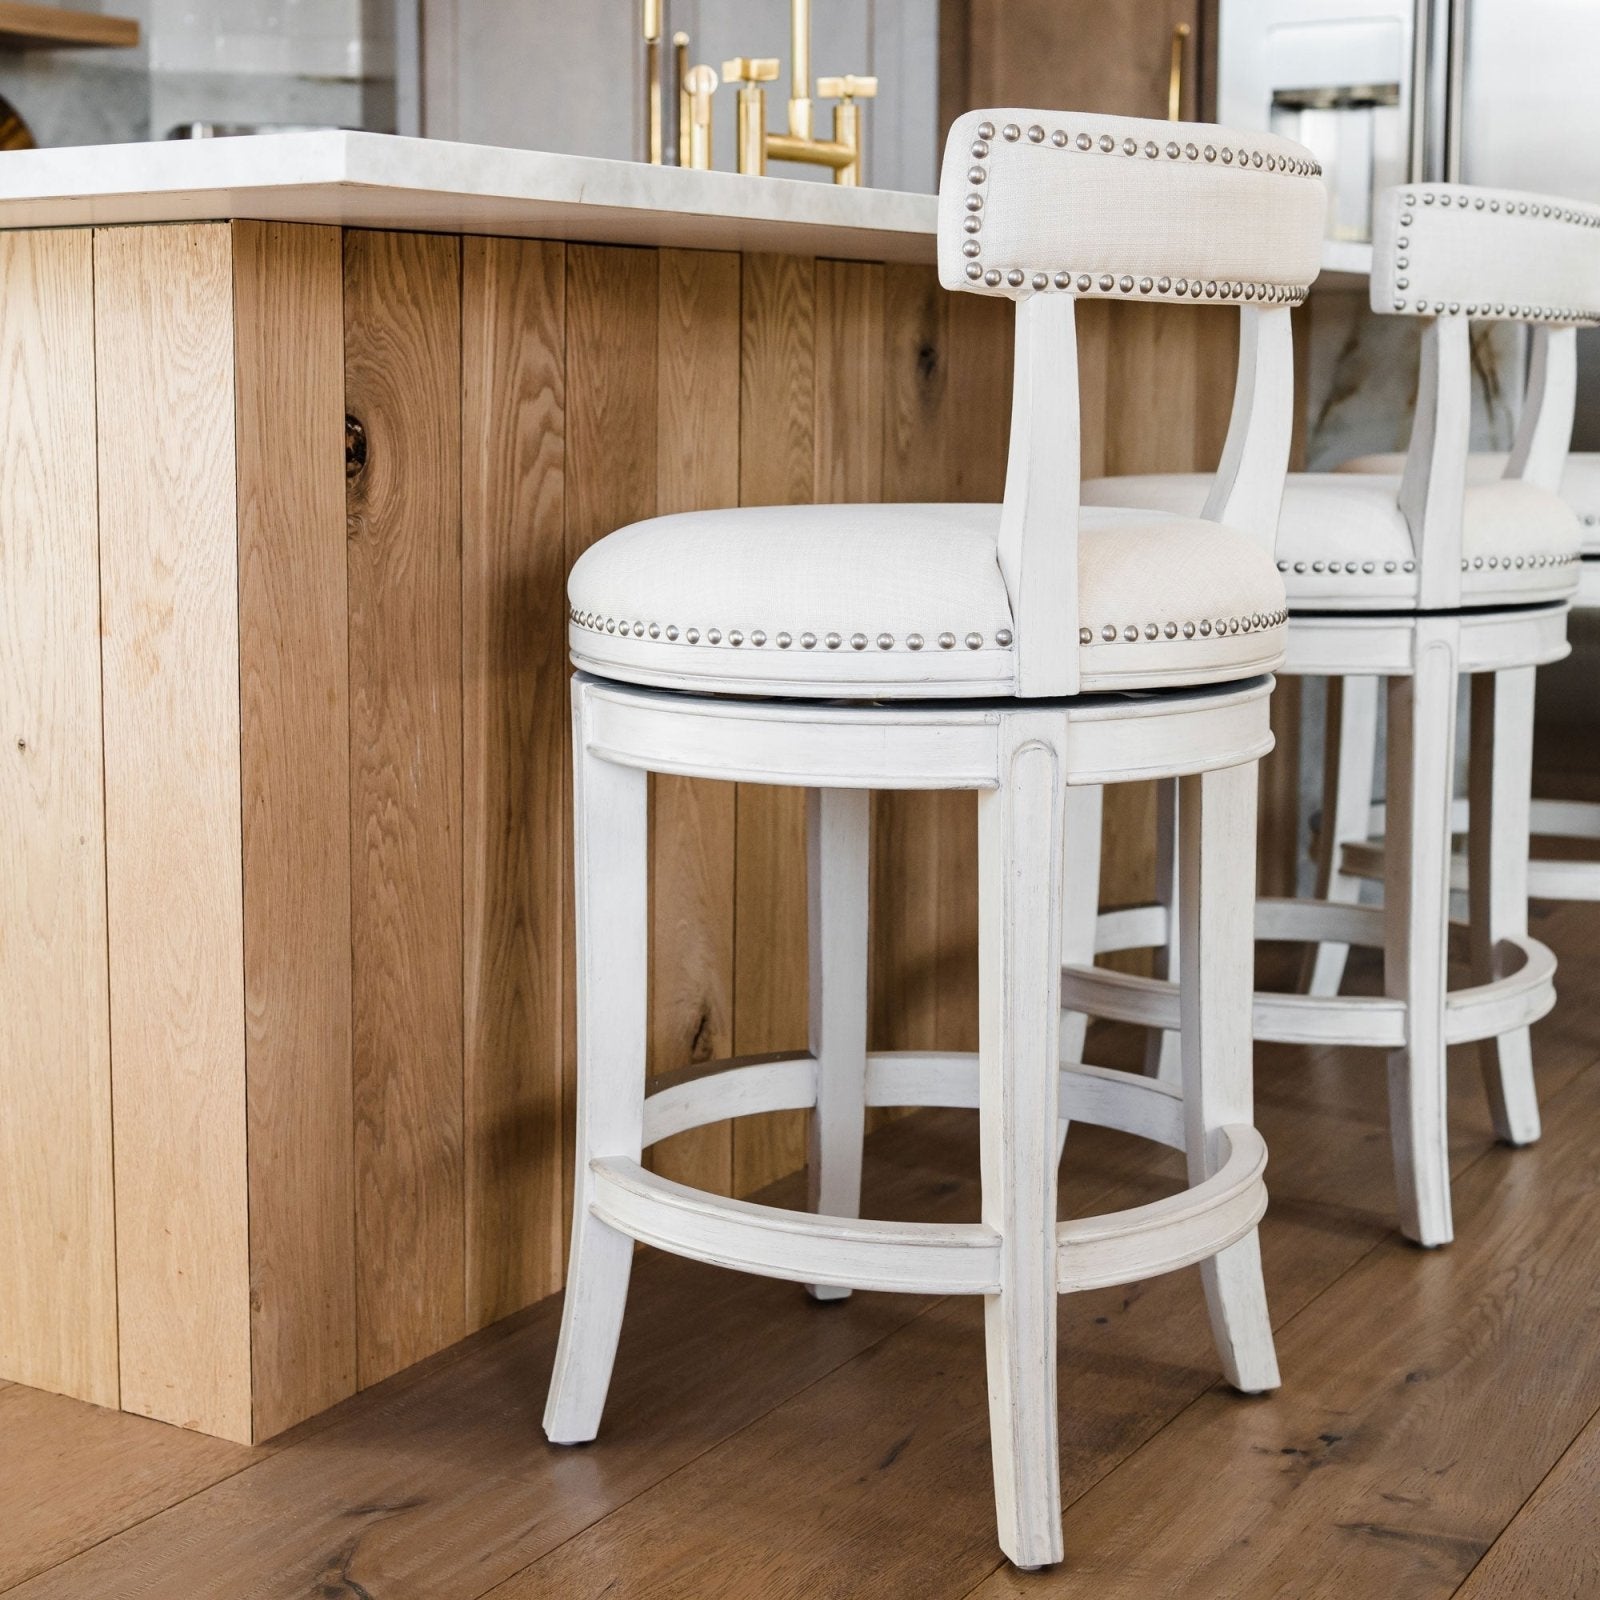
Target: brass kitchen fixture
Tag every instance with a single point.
(758, 145)
(693, 88)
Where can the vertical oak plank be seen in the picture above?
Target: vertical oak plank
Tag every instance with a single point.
(514, 719)
(58, 1312)
(692, 820)
(612, 338)
(403, 383)
(294, 760)
(777, 466)
(169, 609)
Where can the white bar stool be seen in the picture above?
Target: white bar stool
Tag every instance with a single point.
(1349, 848)
(1419, 579)
(848, 648)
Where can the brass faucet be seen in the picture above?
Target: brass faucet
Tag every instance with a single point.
(758, 145)
(693, 87)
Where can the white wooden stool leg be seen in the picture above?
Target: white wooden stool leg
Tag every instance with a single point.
(1019, 1009)
(1497, 876)
(611, 849)
(837, 834)
(1163, 1056)
(1416, 898)
(1350, 755)
(1217, 856)
(1080, 910)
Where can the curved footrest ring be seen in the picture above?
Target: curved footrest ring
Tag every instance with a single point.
(1479, 1011)
(921, 1257)
(1549, 878)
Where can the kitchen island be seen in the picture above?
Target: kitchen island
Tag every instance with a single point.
(301, 434)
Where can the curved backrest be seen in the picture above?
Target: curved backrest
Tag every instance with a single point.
(1044, 207)
(1455, 253)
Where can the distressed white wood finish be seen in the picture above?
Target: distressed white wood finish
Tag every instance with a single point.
(1038, 766)
(1163, 1054)
(1019, 1019)
(1416, 897)
(1217, 886)
(1416, 1018)
(611, 826)
(1544, 430)
(838, 827)
(1247, 491)
(1038, 546)
(1083, 819)
(1350, 755)
(1501, 780)
(1434, 484)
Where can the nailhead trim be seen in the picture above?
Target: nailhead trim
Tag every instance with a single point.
(1499, 308)
(594, 622)
(1125, 286)
(1205, 628)
(1334, 568)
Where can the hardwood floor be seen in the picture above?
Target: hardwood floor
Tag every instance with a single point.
(1438, 1431)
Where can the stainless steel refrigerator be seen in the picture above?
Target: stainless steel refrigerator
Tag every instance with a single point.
(1498, 92)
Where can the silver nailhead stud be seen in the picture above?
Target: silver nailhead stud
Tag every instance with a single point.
(713, 635)
(1063, 280)
(672, 631)
(1059, 139)
(1011, 132)
(913, 641)
(735, 637)
(974, 271)
(833, 641)
(1003, 638)
(974, 641)
(1036, 134)
(1130, 147)
(886, 641)
(858, 641)
(1188, 630)
(1130, 633)
(1171, 630)
(1085, 636)
(1108, 633)
(808, 641)
(655, 630)
(992, 277)
(1106, 281)
(783, 641)
(1107, 143)
(1041, 280)
(1125, 283)
(1151, 631)
(638, 630)
(1015, 277)
(986, 130)
(758, 638)
(1085, 283)
(947, 641)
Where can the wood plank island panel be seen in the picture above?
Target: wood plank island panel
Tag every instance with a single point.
(368, 737)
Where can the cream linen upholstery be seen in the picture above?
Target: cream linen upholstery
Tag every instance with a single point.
(1344, 544)
(1036, 201)
(1451, 249)
(1580, 483)
(903, 601)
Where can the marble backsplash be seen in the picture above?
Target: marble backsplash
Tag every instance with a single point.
(1361, 379)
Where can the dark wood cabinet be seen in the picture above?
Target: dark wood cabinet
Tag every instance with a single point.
(1112, 56)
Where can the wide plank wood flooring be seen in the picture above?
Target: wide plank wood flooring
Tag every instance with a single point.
(1438, 1432)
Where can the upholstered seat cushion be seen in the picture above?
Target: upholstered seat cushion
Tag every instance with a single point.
(1344, 545)
(1580, 483)
(907, 601)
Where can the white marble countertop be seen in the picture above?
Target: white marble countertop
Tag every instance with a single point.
(383, 181)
